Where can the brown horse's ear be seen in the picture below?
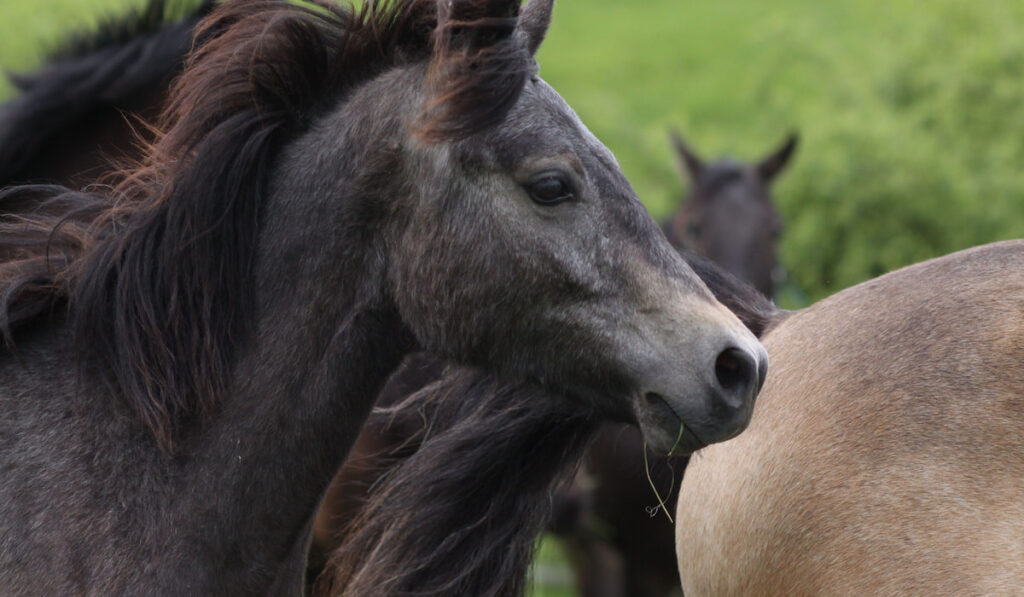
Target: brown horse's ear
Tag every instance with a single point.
(689, 162)
(534, 22)
(771, 166)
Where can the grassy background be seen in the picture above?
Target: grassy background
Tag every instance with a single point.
(911, 114)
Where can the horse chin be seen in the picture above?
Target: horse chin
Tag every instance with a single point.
(664, 431)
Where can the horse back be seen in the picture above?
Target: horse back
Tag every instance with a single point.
(886, 454)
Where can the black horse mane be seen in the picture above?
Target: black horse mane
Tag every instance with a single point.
(461, 515)
(124, 58)
(120, 30)
(751, 307)
(156, 276)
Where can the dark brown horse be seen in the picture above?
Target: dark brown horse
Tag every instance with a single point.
(190, 356)
(616, 546)
(617, 541)
(729, 215)
(886, 455)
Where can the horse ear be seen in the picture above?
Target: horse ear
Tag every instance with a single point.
(534, 22)
(479, 67)
(496, 16)
(771, 166)
(689, 162)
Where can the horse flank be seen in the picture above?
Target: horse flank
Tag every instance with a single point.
(886, 455)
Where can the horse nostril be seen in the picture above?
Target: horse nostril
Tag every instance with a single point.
(736, 372)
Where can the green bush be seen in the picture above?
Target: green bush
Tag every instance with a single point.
(918, 156)
(911, 116)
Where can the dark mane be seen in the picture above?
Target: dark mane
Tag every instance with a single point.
(157, 276)
(112, 67)
(474, 88)
(462, 514)
(750, 306)
(120, 30)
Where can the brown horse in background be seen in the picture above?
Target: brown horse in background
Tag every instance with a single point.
(617, 541)
(729, 215)
(886, 455)
(891, 464)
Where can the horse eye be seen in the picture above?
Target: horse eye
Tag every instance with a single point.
(693, 230)
(550, 189)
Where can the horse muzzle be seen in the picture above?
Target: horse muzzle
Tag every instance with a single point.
(717, 407)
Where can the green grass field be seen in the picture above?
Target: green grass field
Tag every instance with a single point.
(911, 115)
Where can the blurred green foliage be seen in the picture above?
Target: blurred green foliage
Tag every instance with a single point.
(29, 28)
(550, 577)
(911, 115)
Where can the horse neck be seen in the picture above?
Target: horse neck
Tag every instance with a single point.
(302, 391)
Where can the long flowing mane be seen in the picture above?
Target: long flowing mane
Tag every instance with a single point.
(461, 515)
(136, 24)
(123, 58)
(155, 278)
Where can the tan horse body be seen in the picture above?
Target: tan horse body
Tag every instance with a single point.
(886, 452)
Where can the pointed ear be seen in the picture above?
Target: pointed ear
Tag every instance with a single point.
(473, 25)
(689, 162)
(771, 166)
(534, 22)
(479, 66)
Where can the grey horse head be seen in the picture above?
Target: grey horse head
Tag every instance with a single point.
(507, 237)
